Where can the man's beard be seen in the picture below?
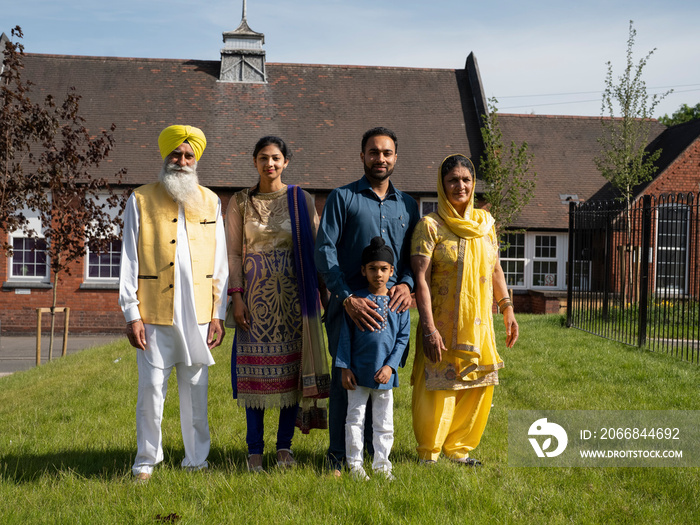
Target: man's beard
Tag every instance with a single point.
(376, 176)
(182, 184)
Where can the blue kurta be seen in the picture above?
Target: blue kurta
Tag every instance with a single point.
(366, 352)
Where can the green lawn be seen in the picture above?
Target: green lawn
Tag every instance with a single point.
(67, 441)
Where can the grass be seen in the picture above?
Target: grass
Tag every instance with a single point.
(67, 441)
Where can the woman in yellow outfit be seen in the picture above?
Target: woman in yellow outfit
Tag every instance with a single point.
(454, 255)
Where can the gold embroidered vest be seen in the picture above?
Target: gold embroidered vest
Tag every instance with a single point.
(156, 251)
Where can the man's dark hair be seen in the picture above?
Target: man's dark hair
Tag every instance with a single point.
(385, 132)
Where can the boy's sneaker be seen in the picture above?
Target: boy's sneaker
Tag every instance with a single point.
(386, 474)
(359, 474)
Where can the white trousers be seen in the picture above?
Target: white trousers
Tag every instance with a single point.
(192, 384)
(382, 426)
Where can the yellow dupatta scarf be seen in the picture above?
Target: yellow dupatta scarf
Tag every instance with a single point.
(469, 340)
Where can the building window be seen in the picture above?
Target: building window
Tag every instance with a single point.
(581, 276)
(513, 258)
(101, 266)
(428, 205)
(536, 260)
(672, 248)
(545, 263)
(29, 259)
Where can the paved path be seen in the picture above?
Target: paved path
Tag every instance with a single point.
(19, 352)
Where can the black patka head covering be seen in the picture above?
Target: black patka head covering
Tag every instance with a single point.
(377, 251)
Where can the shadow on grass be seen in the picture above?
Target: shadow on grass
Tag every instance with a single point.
(104, 464)
(234, 462)
(116, 463)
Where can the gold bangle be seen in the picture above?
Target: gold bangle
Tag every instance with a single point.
(505, 305)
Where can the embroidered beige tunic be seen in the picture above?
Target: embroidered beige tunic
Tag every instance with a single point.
(261, 261)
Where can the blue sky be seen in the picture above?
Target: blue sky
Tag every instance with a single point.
(543, 57)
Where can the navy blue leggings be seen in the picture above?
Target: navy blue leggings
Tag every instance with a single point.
(255, 422)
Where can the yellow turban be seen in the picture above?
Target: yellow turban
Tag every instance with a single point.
(172, 136)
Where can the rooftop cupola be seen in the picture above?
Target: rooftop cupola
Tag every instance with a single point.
(243, 57)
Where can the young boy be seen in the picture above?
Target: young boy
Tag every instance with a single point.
(369, 361)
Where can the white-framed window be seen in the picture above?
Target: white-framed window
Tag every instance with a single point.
(513, 258)
(29, 261)
(672, 236)
(104, 267)
(428, 205)
(534, 260)
(545, 262)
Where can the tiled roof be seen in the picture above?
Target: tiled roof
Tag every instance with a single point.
(564, 149)
(320, 110)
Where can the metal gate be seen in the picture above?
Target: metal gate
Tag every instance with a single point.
(633, 272)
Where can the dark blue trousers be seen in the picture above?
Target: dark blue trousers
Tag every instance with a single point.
(256, 427)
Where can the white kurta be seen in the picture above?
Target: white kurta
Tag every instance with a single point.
(185, 341)
(182, 345)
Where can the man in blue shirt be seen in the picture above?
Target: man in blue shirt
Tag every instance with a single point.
(352, 216)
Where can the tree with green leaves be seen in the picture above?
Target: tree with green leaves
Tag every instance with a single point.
(624, 160)
(683, 114)
(48, 162)
(505, 170)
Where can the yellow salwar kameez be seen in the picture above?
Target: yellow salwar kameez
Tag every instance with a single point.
(452, 398)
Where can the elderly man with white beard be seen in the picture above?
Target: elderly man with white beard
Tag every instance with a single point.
(172, 290)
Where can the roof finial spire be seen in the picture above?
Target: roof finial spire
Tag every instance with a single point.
(244, 10)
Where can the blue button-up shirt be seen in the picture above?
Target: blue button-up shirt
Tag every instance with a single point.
(352, 216)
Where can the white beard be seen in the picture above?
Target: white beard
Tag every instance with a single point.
(182, 184)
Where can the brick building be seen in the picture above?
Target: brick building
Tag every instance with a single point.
(321, 111)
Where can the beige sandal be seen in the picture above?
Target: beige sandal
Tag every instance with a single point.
(255, 463)
(285, 458)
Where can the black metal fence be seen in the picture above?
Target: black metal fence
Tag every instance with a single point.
(633, 272)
